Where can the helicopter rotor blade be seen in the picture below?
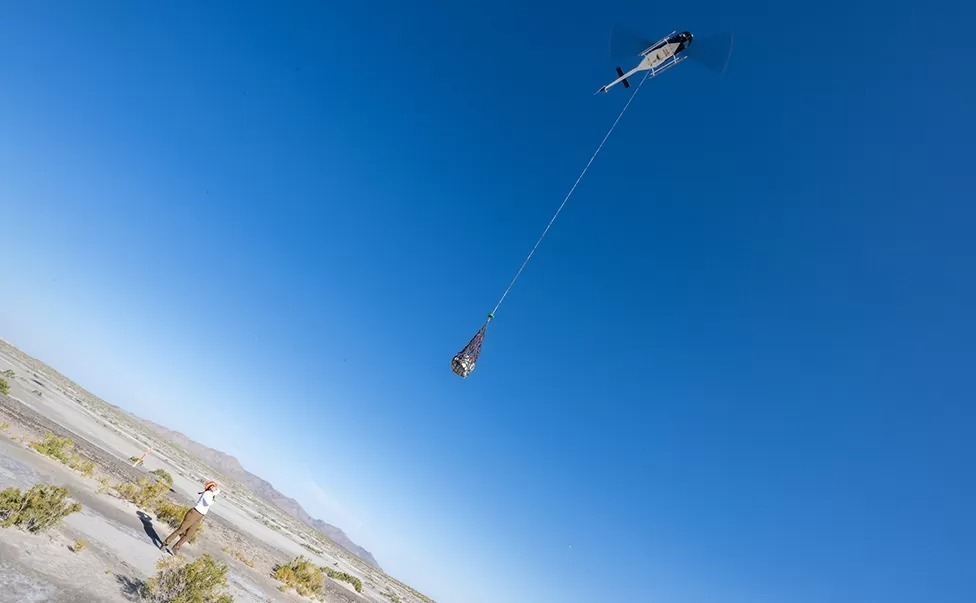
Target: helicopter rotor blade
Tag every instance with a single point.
(625, 44)
(712, 51)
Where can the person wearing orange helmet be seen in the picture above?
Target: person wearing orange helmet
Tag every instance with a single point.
(193, 518)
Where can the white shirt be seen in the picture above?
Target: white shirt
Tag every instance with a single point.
(205, 501)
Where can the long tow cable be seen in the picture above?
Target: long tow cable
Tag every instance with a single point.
(464, 361)
(568, 195)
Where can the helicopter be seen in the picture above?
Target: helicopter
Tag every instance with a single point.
(658, 57)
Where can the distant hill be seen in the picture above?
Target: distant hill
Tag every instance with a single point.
(231, 467)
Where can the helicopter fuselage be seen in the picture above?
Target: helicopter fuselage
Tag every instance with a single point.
(661, 55)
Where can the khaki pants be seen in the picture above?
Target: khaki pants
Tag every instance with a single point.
(191, 522)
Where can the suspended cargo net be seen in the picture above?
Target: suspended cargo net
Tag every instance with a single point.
(464, 361)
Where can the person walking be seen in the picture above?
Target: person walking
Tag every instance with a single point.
(193, 518)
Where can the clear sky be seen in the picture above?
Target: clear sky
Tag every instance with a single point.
(739, 368)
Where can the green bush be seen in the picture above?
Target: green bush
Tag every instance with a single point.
(356, 582)
(40, 508)
(55, 447)
(163, 476)
(178, 581)
(4, 386)
(145, 493)
(62, 449)
(170, 514)
(8, 374)
(302, 575)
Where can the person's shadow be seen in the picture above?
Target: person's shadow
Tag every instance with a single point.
(131, 587)
(147, 525)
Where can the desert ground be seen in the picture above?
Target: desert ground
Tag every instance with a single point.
(249, 535)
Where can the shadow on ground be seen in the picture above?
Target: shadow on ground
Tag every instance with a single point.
(147, 525)
(131, 587)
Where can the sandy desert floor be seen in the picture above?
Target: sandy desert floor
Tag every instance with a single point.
(247, 535)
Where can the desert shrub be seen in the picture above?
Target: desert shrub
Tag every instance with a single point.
(312, 548)
(105, 482)
(335, 575)
(55, 447)
(170, 514)
(302, 575)
(38, 393)
(179, 581)
(4, 426)
(40, 508)
(127, 490)
(8, 374)
(78, 546)
(87, 468)
(392, 596)
(62, 449)
(236, 554)
(4, 386)
(163, 476)
(145, 493)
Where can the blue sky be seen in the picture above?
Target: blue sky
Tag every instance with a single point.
(739, 368)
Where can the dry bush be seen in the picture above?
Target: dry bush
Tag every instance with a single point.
(335, 575)
(127, 490)
(179, 581)
(144, 494)
(170, 514)
(105, 482)
(78, 546)
(4, 426)
(302, 575)
(55, 447)
(163, 476)
(61, 449)
(4, 386)
(236, 554)
(40, 508)
(87, 468)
